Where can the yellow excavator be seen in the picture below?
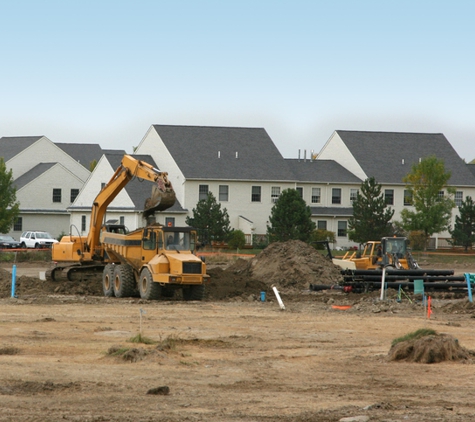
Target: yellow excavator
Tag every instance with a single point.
(150, 262)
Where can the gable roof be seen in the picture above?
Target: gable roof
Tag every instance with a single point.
(224, 153)
(13, 145)
(84, 154)
(319, 171)
(389, 156)
(32, 174)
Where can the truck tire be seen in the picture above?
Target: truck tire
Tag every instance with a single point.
(148, 289)
(108, 280)
(124, 282)
(194, 292)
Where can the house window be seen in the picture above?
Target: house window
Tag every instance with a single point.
(18, 224)
(83, 223)
(170, 221)
(122, 220)
(256, 194)
(56, 195)
(299, 189)
(74, 194)
(342, 229)
(458, 198)
(389, 196)
(407, 197)
(321, 224)
(203, 192)
(274, 193)
(336, 196)
(353, 194)
(223, 193)
(315, 195)
(441, 194)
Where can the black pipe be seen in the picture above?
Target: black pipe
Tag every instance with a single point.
(397, 272)
(394, 277)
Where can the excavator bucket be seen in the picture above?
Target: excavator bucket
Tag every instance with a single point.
(162, 198)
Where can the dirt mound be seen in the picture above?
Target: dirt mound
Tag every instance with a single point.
(31, 286)
(430, 349)
(288, 265)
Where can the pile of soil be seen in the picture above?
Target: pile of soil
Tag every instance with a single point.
(430, 349)
(32, 286)
(291, 265)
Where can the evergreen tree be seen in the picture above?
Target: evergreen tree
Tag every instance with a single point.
(9, 208)
(433, 211)
(464, 228)
(371, 215)
(210, 221)
(290, 218)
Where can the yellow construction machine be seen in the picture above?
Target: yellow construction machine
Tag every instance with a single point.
(152, 261)
(387, 252)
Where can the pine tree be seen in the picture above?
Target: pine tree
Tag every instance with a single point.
(211, 222)
(290, 218)
(371, 218)
(464, 228)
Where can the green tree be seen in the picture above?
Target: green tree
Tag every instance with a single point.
(236, 239)
(210, 221)
(432, 211)
(464, 228)
(9, 207)
(371, 218)
(290, 218)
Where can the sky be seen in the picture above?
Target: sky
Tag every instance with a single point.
(104, 71)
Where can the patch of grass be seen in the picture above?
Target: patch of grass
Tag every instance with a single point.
(139, 338)
(168, 343)
(117, 350)
(32, 255)
(422, 332)
(9, 351)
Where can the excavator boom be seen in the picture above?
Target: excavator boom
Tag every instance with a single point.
(163, 196)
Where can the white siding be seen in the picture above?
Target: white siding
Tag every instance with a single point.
(44, 151)
(336, 150)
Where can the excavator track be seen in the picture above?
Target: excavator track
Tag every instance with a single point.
(75, 273)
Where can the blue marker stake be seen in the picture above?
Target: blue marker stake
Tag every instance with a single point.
(13, 280)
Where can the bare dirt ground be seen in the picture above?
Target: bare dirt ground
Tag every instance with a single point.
(65, 353)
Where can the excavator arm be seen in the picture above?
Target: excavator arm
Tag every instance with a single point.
(163, 196)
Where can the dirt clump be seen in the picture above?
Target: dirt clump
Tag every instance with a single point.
(287, 265)
(433, 348)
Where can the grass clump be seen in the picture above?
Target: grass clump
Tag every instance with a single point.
(139, 338)
(117, 350)
(421, 332)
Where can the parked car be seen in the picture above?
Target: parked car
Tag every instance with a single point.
(36, 239)
(8, 242)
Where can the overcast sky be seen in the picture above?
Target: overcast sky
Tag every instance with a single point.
(104, 71)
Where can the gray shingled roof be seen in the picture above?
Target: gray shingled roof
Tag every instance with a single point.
(32, 174)
(321, 171)
(381, 154)
(331, 212)
(84, 154)
(13, 145)
(224, 153)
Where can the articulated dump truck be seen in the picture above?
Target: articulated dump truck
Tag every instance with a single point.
(150, 262)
